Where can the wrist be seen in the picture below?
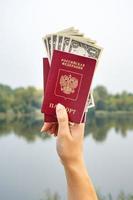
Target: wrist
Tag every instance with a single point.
(75, 163)
(76, 172)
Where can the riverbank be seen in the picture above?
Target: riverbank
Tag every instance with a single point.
(92, 113)
(118, 113)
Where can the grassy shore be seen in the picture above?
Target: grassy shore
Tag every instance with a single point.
(118, 113)
(38, 115)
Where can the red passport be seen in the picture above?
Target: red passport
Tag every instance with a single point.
(46, 68)
(68, 83)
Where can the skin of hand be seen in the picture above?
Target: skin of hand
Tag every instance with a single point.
(70, 150)
(70, 138)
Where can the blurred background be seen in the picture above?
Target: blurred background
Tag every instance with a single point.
(29, 165)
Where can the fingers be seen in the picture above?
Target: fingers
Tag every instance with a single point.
(53, 129)
(79, 126)
(50, 128)
(46, 126)
(77, 130)
(62, 127)
(62, 118)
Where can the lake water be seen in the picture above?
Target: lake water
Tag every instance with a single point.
(30, 168)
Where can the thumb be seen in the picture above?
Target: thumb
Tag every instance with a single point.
(62, 118)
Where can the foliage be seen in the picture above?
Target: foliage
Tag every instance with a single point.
(109, 102)
(28, 100)
(19, 100)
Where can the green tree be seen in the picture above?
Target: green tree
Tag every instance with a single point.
(27, 100)
(101, 95)
(6, 98)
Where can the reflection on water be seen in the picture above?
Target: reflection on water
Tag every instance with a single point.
(99, 127)
(49, 196)
(26, 127)
(29, 128)
(122, 196)
(29, 157)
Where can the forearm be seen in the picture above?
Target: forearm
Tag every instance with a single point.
(79, 183)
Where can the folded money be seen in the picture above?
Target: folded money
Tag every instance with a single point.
(72, 41)
(69, 80)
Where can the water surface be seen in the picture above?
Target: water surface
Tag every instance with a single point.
(30, 168)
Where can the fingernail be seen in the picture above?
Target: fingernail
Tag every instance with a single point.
(42, 129)
(59, 107)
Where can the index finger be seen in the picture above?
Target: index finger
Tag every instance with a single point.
(77, 130)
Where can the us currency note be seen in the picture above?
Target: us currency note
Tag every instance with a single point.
(53, 43)
(48, 39)
(88, 50)
(85, 39)
(59, 42)
(45, 43)
(84, 49)
(65, 43)
(67, 32)
(90, 101)
(50, 42)
(63, 40)
(51, 39)
(67, 40)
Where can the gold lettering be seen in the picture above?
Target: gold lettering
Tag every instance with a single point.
(51, 105)
(73, 64)
(69, 110)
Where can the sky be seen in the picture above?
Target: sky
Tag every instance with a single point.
(24, 23)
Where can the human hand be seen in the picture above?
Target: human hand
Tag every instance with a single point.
(70, 150)
(69, 143)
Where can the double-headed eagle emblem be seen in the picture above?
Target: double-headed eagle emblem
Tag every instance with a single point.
(68, 84)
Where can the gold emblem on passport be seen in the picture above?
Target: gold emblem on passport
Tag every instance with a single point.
(68, 84)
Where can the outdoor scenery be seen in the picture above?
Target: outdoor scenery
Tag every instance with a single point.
(108, 130)
(30, 168)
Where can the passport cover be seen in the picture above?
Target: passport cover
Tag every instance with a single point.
(68, 83)
(46, 68)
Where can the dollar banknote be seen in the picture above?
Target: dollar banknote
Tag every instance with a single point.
(90, 101)
(80, 47)
(83, 48)
(48, 39)
(54, 41)
(73, 41)
(65, 43)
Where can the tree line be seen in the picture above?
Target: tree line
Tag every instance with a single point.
(112, 102)
(29, 99)
(19, 100)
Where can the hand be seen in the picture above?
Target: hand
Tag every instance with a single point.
(70, 149)
(69, 138)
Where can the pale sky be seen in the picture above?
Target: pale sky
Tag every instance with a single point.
(24, 23)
